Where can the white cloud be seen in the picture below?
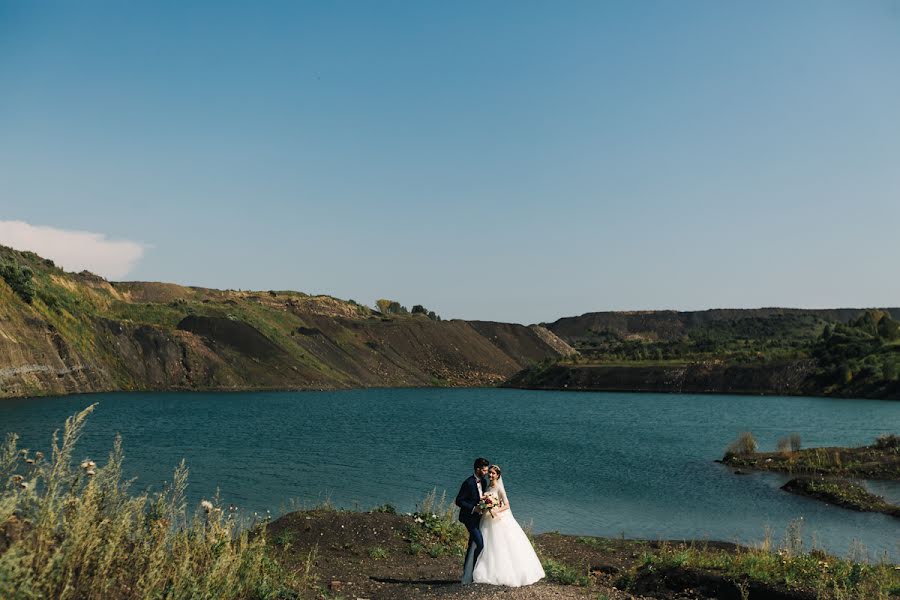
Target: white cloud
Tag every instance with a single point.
(74, 250)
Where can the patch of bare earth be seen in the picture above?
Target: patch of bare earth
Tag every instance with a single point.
(370, 555)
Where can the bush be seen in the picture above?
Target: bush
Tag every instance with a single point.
(20, 279)
(743, 445)
(436, 529)
(888, 440)
(784, 445)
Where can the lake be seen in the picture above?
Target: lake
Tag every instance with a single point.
(638, 465)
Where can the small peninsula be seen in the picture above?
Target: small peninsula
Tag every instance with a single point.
(880, 460)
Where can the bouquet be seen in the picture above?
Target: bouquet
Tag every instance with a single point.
(488, 503)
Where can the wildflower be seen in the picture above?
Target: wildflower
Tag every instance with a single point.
(23, 485)
(206, 505)
(39, 455)
(23, 452)
(91, 472)
(88, 464)
(29, 461)
(17, 478)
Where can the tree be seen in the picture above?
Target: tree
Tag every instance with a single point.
(888, 328)
(390, 307)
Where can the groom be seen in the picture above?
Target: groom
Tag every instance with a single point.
(468, 499)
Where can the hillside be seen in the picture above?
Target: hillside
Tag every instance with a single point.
(668, 325)
(64, 333)
(840, 352)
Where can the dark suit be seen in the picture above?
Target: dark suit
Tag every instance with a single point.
(467, 499)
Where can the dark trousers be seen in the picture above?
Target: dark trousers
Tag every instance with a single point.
(476, 540)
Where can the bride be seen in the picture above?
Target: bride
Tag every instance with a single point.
(508, 558)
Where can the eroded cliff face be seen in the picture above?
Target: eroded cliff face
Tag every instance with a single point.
(84, 334)
(784, 378)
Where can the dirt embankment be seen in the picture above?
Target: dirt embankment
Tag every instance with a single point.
(787, 378)
(83, 334)
(383, 556)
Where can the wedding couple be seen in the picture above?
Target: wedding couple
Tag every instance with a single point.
(499, 552)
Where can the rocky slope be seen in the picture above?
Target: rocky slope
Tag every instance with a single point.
(81, 333)
(783, 378)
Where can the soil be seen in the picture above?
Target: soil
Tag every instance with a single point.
(369, 555)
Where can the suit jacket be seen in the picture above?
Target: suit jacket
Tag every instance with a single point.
(467, 499)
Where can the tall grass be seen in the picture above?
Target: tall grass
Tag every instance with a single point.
(833, 578)
(435, 528)
(75, 531)
(745, 444)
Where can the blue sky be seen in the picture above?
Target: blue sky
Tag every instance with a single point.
(511, 161)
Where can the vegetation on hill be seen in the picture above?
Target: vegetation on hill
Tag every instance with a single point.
(859, 357)
(19, 280)
(392, 307)
(738, 340)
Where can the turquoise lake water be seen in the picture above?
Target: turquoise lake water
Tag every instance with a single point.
(584, 463)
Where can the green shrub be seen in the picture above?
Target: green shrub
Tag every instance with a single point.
(20, 279)
(559, 572)
(436, 529)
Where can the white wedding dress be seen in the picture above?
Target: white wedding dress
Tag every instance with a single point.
(508, 558)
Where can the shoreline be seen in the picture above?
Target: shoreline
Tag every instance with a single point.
(381, 554)
(504, 386)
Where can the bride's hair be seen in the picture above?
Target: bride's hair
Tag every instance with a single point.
(496, 468)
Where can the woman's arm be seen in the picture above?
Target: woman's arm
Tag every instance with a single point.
(504, 501)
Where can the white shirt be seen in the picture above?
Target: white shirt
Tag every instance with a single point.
(480, 493)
